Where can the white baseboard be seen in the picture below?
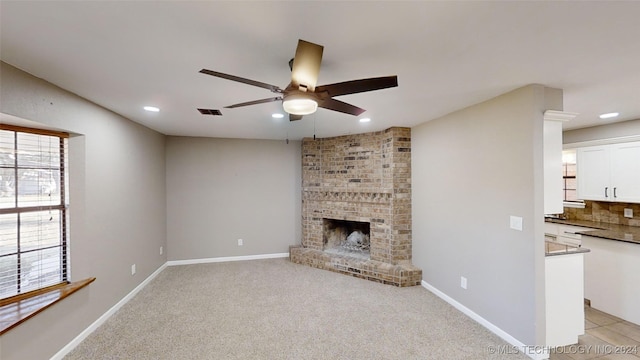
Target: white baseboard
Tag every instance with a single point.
(225, 259)
(536, 353)
(91, 328)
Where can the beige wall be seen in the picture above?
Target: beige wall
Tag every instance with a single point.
(609, 131)
(221, 190)
(122, 178)
(472, 169)
(117, 208)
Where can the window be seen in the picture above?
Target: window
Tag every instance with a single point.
(33, 203)
(569, 175)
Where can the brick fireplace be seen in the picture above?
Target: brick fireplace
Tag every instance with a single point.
(356, 206)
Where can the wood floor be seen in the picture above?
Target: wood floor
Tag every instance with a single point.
(607, 338)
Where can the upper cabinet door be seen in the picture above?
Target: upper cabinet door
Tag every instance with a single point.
(625, 172)
(593, 173)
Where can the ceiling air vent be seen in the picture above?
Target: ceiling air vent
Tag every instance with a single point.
(213, 112)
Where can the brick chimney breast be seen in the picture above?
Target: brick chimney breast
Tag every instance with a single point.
(364, 178)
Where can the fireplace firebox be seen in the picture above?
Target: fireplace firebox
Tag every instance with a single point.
(350, 238)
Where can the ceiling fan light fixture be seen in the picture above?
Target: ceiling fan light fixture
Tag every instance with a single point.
(296, 104)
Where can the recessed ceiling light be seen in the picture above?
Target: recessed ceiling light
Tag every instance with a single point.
(277, 116)
(151, 108)
(363, 120)
(609, 115)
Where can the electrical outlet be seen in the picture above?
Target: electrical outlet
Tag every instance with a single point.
(161, 250)
(133, 269)
(239, 242)
(628, 213)
(463, 282)
(515, 222)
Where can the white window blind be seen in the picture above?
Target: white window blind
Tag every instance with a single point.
(33, 202)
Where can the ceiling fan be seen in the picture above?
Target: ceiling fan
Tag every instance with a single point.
(302, 96)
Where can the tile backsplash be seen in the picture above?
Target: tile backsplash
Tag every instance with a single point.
(608, 212)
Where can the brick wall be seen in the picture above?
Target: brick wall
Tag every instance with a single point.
(366, 178)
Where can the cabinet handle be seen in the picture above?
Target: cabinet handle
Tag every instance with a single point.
(614, 192)
(606, 192)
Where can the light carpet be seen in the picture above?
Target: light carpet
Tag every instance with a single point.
(274, 309)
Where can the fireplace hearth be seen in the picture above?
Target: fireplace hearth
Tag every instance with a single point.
(356, 206)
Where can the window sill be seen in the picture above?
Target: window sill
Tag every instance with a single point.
(15, 310)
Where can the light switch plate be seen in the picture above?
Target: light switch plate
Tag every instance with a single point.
(515, 222)
(628, 213)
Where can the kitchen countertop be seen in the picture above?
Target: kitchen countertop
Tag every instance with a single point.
(553, 249)
(630, 234)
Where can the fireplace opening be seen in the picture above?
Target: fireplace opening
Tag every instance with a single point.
(344, 237)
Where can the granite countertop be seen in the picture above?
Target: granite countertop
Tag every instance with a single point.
(553, 249)
(630, 234)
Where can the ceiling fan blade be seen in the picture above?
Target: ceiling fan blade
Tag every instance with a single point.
(357, 86)
(273, 88)
(254, 102)
(295, 117)
(343, 107)
(306, 64)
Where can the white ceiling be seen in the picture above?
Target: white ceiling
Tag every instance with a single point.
(447, 55)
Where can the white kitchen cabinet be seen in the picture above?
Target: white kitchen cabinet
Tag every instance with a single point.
(564, 234)
(553, 194)
(553, 167)
(564, 299)
(625, 172)
(609, 172)
(550, 228)
(593, 166)
(611, 277)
